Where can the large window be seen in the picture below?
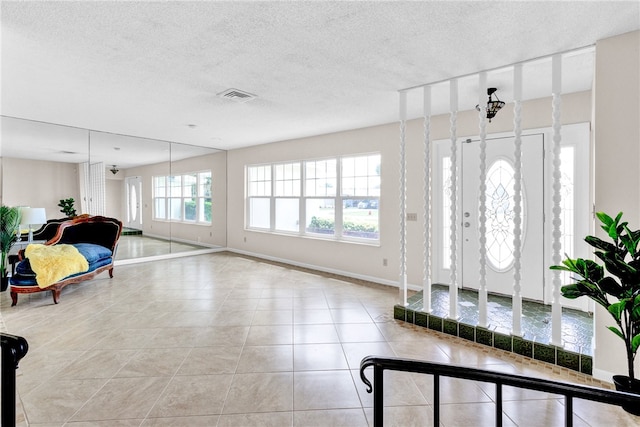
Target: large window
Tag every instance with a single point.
(184, 198)
(332, 198)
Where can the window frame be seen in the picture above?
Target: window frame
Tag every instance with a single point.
(169, 191)
(335, 196)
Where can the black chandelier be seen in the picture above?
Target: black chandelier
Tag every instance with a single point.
(493, 105)
(114, 170)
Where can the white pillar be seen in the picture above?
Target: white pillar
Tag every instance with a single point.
(482, 202)
(426, 282)
(556, 308)
(402, 285)
(453, 287)
(517, 202)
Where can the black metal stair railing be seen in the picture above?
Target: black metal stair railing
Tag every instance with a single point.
(14, 348)
(569, 391)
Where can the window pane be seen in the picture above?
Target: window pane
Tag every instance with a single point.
(204, 180)
(287, 179)
(320, 216)
(174, 186)
(361, 176)
(160, 208)
(288, 214)
(360, 218)
(189, 185)
(259, 180)
(190, 209)
(259, 212)
(159, 186)
(320, 176)
(175, 208)
(204, 208)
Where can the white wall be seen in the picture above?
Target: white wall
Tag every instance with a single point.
(39, 184)
(617, 156)
(216, 233)
(114, 195)
(360, 260)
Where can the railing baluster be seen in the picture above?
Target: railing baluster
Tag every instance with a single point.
(568, 408)
(568, 390)
(436, 400)
(14, 348)
(498, 404)
(378, 396)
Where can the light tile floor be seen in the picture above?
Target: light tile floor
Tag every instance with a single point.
(222, 340)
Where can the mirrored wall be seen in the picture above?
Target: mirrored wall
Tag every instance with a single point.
(171, 197)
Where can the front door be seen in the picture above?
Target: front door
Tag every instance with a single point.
(134, 196)
(500, 215)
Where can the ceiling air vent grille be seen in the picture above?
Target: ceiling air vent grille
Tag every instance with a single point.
(237, 95)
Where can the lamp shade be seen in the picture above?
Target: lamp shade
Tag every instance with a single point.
(30, 216)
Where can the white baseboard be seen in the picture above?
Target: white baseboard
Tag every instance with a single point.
(323, 269)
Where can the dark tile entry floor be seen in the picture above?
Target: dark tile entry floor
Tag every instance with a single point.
(577, 326)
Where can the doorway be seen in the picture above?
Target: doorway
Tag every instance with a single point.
(537, 203)
(500, 215)
(133, 194)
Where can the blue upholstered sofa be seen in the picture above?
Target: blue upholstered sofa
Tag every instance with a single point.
(94, 237)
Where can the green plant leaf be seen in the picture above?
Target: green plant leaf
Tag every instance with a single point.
(635, 343)
(572, 291)
(616, 331)
(604, 218)
(619, 268)
(617, 308)
(600, 244)
(611, 287)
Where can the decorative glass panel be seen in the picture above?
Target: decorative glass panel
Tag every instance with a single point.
(446, 212)
(567, 201)
(133, 202)
(500, 215)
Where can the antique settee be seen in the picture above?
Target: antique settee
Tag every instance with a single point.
(80, 249)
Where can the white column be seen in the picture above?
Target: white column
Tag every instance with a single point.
(482, 202)
(517, 202)
(426, 282)
(453, 287)
(556, 308)
(402, 285)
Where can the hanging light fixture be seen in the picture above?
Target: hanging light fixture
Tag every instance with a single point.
(493, 105)
(114, 170)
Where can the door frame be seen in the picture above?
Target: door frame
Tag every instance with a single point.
(577, 135)
(136, 181)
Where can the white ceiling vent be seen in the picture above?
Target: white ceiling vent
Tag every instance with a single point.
(237, 95)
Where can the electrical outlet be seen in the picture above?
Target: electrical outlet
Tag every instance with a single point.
(245, 240)
(412, 217)
(384, 262)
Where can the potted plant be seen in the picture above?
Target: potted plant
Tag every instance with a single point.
(9, 227)
(615, 285)
(67, 207)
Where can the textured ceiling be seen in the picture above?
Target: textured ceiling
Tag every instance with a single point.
(153, 69)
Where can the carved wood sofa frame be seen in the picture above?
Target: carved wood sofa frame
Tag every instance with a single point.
(99, 230)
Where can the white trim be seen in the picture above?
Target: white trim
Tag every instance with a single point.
(348, 274)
